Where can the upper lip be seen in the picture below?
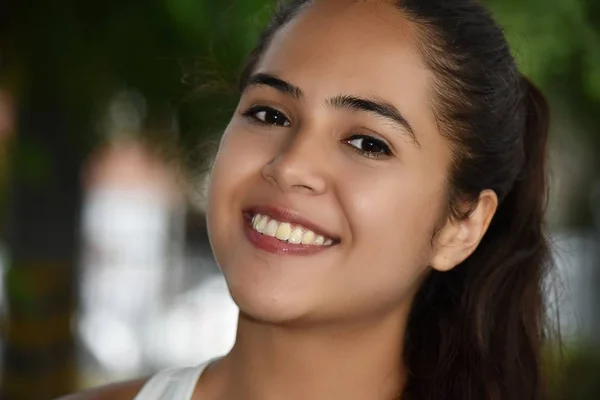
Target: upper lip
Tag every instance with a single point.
(283, 214)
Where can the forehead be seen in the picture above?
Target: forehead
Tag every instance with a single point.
(352, 47)
(358, 46)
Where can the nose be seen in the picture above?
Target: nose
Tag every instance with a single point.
(299, 167)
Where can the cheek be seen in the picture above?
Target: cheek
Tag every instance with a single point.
(234, 170)
(392, 222)
(399, 207)
(238, 163)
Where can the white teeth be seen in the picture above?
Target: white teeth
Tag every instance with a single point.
(296, 236)
(261, 223)
(285, 232)
(308, 238)
(271, 229)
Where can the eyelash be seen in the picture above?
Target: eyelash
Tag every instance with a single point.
(254, 110)
(385, 151)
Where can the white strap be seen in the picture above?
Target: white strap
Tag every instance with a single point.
(172, 384)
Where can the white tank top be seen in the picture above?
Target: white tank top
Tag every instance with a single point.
(172, 384)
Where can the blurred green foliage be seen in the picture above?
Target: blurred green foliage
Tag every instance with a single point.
(576, 374)
(85, 51)
(557, 44)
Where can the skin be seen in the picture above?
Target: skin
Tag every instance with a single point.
(331, 325)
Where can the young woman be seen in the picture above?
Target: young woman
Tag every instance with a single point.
(376, 207)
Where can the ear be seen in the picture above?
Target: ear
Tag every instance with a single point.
(458, 239)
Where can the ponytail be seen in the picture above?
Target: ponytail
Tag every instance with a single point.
(476, 331)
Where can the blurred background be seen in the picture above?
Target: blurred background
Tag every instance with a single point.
(106, 109)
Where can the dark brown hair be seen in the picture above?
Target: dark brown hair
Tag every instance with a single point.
(476, 332)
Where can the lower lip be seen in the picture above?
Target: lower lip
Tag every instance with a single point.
(276, 246)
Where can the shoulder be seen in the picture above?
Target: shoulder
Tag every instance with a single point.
(117, 391)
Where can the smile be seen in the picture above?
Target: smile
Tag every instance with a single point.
(287, 232)
(283, 231)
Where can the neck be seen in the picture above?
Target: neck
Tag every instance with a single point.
(343, 362)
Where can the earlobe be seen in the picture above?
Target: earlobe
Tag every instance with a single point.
(458, 239)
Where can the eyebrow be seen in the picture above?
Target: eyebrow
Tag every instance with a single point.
(378, 107)
(274, 82)
(374, 106)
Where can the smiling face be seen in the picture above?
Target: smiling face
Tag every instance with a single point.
(335, 136)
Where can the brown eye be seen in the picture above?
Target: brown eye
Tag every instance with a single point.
(267, 115)
(369, 146)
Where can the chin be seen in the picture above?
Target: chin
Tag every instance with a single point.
(271, 306)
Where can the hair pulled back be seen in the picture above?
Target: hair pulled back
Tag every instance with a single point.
(476, 331)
